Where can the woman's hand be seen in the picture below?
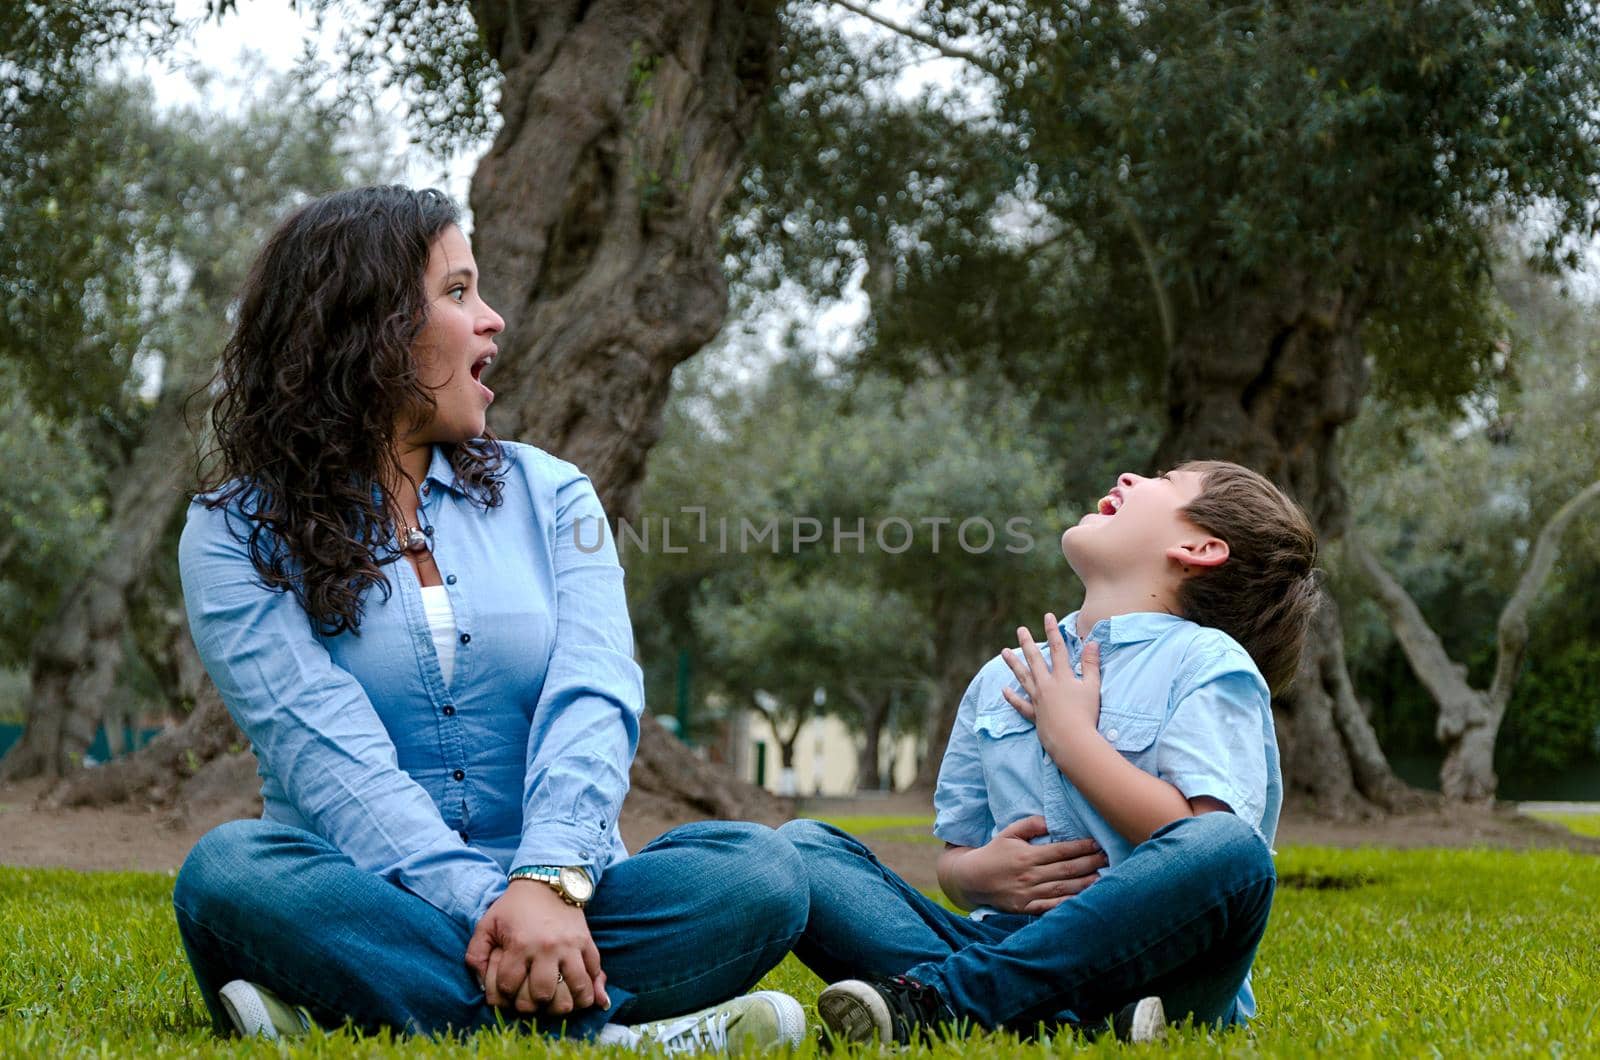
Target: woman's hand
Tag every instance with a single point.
(532, 951)
(1012, 875)
(1060, 704)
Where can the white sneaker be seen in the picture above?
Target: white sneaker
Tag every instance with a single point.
(765, 1019)
(258, 1012)
(1143, 1021)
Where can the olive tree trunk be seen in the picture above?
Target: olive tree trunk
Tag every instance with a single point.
(1268, 380)
(74, 660)
(597, 212)
(1468, 723)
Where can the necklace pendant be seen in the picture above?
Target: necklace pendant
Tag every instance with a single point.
(416, 540)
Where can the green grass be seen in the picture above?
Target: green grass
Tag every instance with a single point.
(1581, 823)
(866, 824)
(1370, 953)
(911, 828)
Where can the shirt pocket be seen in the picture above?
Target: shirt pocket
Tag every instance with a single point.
(1008, 750)
(1001, 721)
(1133, 733)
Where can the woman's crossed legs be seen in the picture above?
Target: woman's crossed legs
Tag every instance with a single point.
(697, 916)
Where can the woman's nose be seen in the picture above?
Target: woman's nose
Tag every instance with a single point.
(493, 323)
(1127, 480)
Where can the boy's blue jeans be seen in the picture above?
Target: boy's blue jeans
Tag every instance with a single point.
(695, 917)
(1179, 918)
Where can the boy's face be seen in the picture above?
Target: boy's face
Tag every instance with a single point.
(1138, 528)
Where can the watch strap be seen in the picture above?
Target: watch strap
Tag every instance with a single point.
(551, 875)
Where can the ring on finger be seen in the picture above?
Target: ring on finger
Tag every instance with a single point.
(560, 978)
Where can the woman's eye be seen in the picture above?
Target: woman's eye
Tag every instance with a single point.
(458, 292)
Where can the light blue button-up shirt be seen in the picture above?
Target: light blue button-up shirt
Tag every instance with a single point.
(522, 759)
(1181, 701)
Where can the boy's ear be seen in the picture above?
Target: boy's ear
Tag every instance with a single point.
(1200, 552)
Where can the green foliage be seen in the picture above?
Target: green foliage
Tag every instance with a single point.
(1369, 953)
(862, 472)
(787, 640)
(1106, 176)
(921, 201)
(1369, 146)
(128, 239)
(51, 511)
(1553, 721)
(433, 51)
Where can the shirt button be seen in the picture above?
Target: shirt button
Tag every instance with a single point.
(1111, 734)
(450, 579)
(466, 638)
(426, 486)
(460, 774)
(449, 711)
(428, 530)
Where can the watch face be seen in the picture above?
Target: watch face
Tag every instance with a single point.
(576, 883)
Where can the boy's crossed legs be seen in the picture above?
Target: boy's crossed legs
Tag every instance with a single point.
(1180, 918)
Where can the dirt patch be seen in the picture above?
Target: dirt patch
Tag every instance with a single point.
(127, 838)
(1445, 826)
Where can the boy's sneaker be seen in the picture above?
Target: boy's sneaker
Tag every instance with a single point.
(896, 1010)
(1142, 1021)
(765, 1019)
(258, 1012)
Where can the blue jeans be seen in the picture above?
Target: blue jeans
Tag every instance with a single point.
(699, 915)
(1179, 918)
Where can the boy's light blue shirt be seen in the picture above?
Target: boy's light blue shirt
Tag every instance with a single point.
(1181, 701)
(521, 760)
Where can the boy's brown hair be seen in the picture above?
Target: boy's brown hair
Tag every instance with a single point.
(1264, 595)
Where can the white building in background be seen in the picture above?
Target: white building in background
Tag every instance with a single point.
(825, 756)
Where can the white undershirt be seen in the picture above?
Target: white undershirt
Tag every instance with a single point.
(442, 624)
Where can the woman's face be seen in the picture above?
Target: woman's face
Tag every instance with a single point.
(455, 345)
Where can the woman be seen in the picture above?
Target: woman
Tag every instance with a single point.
(423, 632)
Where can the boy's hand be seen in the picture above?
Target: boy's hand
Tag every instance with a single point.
(1060, 704)
(1013, 875)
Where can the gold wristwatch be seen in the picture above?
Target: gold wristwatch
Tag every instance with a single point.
(571, 882)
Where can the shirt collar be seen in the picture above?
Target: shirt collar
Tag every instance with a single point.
(440, 471)
(1133, 628)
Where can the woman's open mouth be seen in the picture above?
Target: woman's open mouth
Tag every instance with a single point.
(478, 367)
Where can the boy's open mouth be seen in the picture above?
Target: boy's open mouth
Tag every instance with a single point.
(1111, 503)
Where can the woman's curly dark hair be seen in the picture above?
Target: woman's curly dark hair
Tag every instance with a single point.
(313, 387)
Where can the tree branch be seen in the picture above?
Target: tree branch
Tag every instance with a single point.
(1513, 627)
(1152, 266)
(1445, 681)
(927, 40)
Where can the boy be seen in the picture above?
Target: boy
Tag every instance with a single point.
(1198, 588)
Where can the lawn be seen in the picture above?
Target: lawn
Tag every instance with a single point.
(1370, 953)
(1581, 823)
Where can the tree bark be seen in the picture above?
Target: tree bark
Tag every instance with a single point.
(869, 766)
(157, 772)
(874, 716)
(597, 212)
(1267, 379)
(967, 633)
(74, 659)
